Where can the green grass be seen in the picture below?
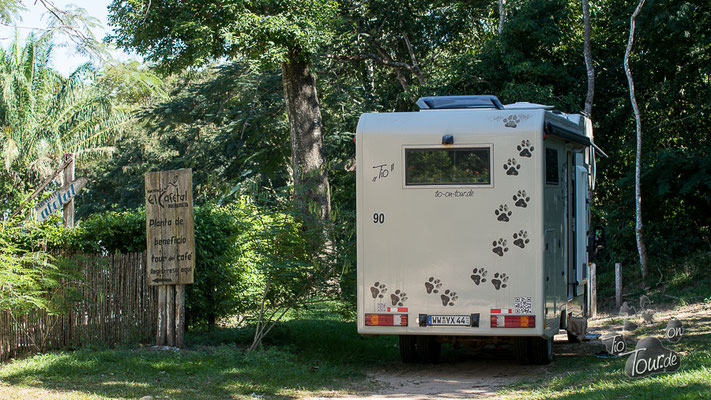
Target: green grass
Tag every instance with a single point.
(588, 377)
(310, 354)
(316, 351)
(678, 283)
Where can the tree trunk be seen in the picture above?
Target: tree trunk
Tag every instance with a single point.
(502, 15)
(588, 59)
(311, 188)
(641, 247)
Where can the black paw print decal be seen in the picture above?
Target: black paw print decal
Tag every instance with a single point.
(512, 166)
(378, 289)
(521, 199)
(478, 275)
(521, 239)
(511, 121)
(448, 298)
(432, 285)
(398, 298)
(499, 282)
(500, 247)
(503, 213)
(525, 149)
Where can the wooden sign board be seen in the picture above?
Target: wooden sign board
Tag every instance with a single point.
(57, 200)
(170, 234)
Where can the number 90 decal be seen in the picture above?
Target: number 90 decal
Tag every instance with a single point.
(378, 218)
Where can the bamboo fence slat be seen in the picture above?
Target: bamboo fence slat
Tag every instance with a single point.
(116, 305)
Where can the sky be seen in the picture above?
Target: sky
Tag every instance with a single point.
(65, 59)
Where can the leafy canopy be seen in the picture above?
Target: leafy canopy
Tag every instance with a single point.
(43, 115)
(178, 35)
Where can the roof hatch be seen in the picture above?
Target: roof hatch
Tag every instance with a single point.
(459, 102)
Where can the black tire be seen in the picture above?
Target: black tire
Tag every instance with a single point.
(522, 347)
(541, 350)
(572, 338)
(408, 351)
(428, 349)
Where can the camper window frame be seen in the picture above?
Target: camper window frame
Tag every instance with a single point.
(557, 166)
(463, 146)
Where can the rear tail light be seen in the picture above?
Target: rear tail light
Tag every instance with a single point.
(513, 321)
(386, 319)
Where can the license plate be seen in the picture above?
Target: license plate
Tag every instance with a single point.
(449, 320)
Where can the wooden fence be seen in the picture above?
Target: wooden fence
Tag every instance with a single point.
(114, 304)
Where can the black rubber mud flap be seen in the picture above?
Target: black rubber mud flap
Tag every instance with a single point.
(541, 350)
(522, 347)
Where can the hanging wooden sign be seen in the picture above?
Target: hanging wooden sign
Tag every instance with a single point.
(58, 199)
(169, 227)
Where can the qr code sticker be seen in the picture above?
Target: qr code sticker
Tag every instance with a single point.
(522, 305)
(382, 307)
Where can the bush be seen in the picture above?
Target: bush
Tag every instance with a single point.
(227, 281)
(30, 278)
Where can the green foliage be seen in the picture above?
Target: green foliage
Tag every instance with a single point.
(671, 66)
(208, 30)
(238, 248)
(30, 278)
(278, 245)
(44, 115)
(535, 59)
(314, 353)
(225, 283)
(219, 274)
(227, 123)
(9, 10)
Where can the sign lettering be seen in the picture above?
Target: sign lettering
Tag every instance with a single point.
(57, 200)
(170, 237)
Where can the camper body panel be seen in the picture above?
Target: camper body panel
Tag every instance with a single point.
(422, 249)
(556, 235)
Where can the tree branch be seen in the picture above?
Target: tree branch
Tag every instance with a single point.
(502, 15)
(415, 66)
(588, 59)
(641, 247)
(371, 56)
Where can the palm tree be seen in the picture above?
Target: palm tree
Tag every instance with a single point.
(44, 115)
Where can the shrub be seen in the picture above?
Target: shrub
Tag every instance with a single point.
(224, 283)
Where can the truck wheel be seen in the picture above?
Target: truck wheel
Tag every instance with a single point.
(541, 350)
(408, 351)
(428, 349)
(521, 349)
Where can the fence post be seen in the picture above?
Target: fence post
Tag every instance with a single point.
(618, 284)
(179, 316)
(592, 285)
(160, 334)
(170, 316)
(68, 176)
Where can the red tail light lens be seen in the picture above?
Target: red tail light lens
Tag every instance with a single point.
(386, 319)
(513, 321)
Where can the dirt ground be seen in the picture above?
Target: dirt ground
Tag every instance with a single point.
(469, 375)
(482, 375)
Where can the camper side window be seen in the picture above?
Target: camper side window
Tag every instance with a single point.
(448, 166)
(552, 166)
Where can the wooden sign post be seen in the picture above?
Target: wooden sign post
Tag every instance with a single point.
(63, 198)
(68, 214)
(170, 240)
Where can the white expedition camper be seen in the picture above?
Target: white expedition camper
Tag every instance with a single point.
(473, 224)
